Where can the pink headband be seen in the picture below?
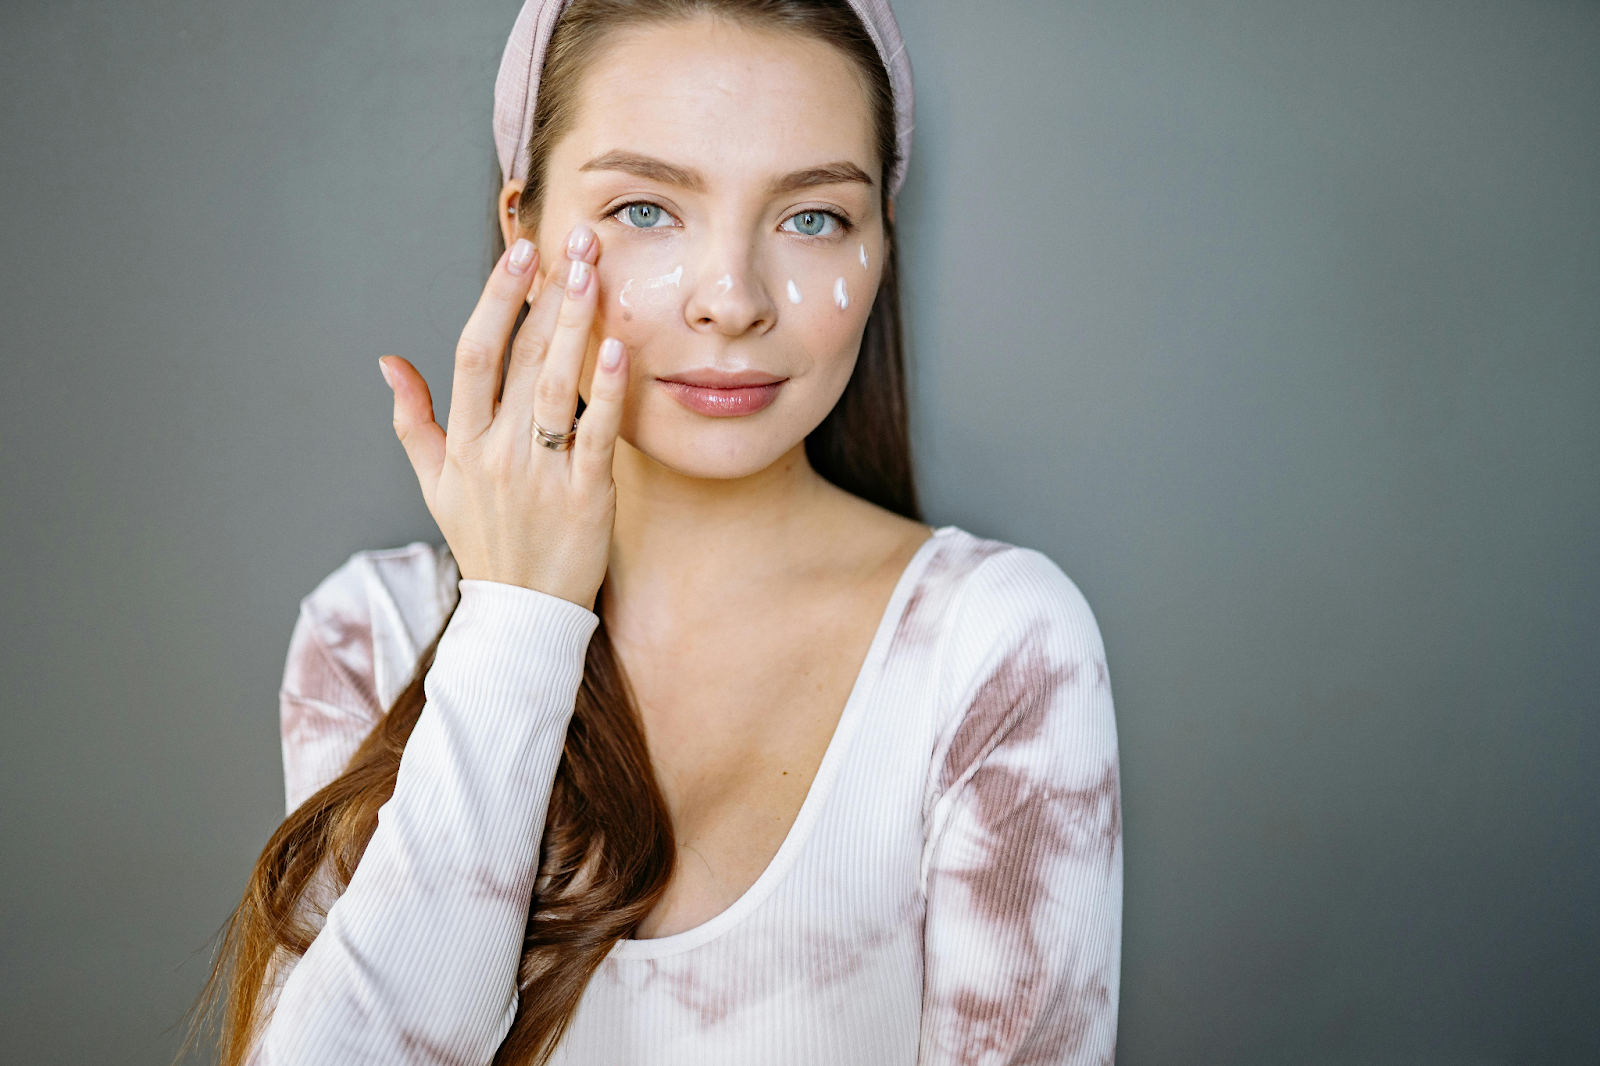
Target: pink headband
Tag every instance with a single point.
(516, 88)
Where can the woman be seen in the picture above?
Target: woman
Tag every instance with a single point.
(718, 754)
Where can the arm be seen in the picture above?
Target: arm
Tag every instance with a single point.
(417, 960)
(1023, 860)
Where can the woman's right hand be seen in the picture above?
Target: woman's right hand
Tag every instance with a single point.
(511, 509)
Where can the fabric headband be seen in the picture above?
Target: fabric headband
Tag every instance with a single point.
(516, 88)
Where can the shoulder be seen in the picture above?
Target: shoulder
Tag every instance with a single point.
(980, 598)
(1019, 596)
(360, 630)
(354, 647)
(1020, 655)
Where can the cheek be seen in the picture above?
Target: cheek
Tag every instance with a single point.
(641, 283)
(841, 282)
(641, 297)
(829, 298)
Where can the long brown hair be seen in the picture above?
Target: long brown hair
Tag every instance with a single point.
(607, 852)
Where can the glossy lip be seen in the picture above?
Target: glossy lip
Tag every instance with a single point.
(723, 393)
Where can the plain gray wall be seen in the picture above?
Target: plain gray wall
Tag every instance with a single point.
(1276, 324)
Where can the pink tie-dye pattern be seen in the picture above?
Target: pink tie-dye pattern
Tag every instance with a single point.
(353, 648)
(1006, 949)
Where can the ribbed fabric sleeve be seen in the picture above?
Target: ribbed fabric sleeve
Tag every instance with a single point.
(1023, 859)
(416, 962)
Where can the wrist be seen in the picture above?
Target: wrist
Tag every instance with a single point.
(495, 618)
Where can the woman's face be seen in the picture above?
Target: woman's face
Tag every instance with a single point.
(732, 178)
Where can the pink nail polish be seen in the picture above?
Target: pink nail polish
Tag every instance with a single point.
(578, 278)
(579, 240)
(521, 256)
(610, 353)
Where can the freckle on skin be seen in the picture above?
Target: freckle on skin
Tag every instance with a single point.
(794, 293)
(841, 295)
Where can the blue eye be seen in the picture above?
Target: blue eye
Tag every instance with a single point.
(642, 215)
(812, 223)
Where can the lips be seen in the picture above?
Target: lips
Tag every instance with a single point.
(723, 393)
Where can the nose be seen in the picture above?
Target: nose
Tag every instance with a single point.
(730, 299)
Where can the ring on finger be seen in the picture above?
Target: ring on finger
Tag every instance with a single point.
(556, 442)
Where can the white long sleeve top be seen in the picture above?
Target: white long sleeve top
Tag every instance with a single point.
(950, 892)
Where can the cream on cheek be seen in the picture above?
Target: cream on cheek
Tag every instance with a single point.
(825, 298)
(820, 295)
(650, 292)
(840, 288)
(642, 280)
(838, 277)
(642, 288)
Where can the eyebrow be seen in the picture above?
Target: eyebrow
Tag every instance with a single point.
(832, 174)
(653, 169)
(649, 168)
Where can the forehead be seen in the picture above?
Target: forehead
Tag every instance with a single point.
(732, 101)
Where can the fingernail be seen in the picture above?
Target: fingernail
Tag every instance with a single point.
(383, 368)
(521, 256)
(577, 278)
(578, 240)
(610, 353)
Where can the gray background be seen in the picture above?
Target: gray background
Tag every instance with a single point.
(1276, 324)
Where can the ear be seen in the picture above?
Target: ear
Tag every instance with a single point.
(890, 211)
(506, 210)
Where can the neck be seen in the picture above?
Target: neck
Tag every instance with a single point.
(676, 533)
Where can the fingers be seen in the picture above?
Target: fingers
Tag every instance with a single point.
(602, 418)
(555, 393)
(413, 422)
(483, 342)
(534, 338)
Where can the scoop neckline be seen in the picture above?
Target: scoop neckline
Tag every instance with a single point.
(828, 769)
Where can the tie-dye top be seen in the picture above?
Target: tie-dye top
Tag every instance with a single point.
(950, 892)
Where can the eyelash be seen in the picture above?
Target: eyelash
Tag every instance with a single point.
(621, 209)
(845, 225)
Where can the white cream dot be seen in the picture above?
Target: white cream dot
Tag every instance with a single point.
(794, 293)
(841, 295)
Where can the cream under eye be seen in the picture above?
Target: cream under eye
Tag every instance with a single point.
(813, 223)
